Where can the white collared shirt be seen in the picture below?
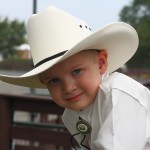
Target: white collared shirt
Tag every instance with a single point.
(119, 116)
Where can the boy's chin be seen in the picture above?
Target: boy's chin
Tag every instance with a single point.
(79, 108)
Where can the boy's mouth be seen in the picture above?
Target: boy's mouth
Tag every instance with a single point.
(74, 98)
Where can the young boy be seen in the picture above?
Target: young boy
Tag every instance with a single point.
(104, 110)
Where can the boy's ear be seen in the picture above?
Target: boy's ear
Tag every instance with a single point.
(102, 59)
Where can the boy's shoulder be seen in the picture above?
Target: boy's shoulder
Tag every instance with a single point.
(123, 83)
(121, 80)
(117, 79)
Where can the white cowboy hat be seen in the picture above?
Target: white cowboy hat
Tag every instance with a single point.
(55, 35)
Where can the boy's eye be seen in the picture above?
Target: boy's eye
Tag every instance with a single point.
(53, 81)
(76, 71)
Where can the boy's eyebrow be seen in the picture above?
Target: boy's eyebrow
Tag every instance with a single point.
(74, 67)
(77, 65)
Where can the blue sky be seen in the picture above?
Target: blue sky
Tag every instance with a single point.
(96, 12)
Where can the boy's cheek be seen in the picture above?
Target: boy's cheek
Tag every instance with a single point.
(54, 92)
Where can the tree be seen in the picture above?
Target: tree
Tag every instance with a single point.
(138, 15)
(12, 34)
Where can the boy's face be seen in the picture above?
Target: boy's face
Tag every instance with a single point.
(74, 82)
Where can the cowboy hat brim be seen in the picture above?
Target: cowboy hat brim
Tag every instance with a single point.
(119, 39)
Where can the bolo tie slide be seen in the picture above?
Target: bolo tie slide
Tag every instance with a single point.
(84, 128)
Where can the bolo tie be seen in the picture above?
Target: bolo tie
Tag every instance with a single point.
(83, 128)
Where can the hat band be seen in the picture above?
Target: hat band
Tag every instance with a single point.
(50, 58)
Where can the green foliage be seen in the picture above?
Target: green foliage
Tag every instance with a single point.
(138, 15)
(12, 34)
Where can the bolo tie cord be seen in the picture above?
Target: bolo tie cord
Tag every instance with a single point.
(81, 143)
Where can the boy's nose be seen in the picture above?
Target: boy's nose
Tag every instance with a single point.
(69, 85)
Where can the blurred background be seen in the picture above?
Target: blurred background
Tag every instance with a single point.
(15, 56)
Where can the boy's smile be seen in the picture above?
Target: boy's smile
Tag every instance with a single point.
(75, 97)
(73, 83)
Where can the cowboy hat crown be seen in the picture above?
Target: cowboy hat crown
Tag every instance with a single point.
(54, 31)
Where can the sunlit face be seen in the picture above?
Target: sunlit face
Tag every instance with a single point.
(73, 83)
